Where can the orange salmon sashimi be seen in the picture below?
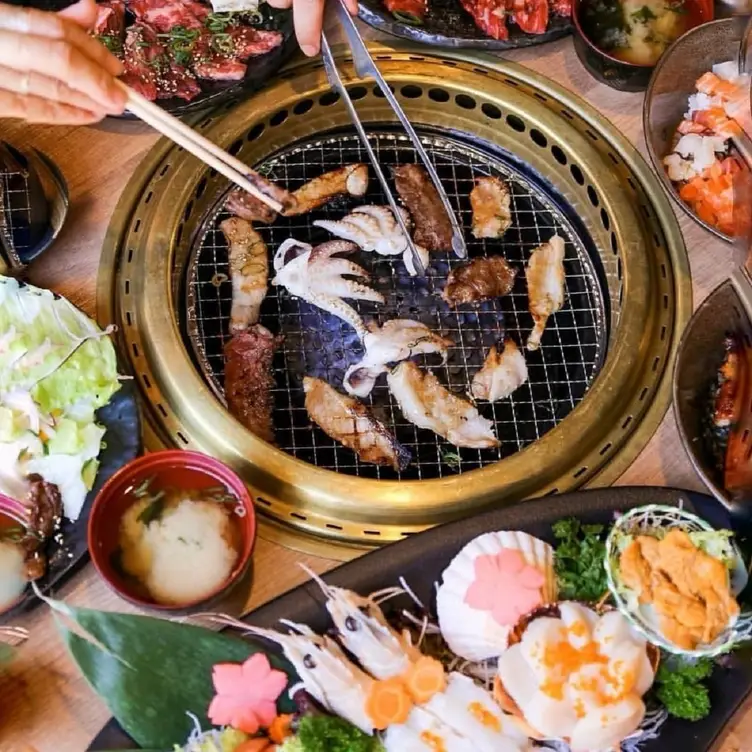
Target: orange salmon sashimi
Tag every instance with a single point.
(711, 195)
(716, 120)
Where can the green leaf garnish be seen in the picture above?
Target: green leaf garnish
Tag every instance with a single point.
(680, 688)
(112, 43)
(408, 18)
(579, 557)
(451, 459)
(643, 15)
(322, 733)
(154, 510)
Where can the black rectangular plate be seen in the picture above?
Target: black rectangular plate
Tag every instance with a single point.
(422, 558)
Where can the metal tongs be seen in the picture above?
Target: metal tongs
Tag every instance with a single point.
(365, 67)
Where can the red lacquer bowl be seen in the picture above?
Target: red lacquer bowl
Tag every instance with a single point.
(174, 468)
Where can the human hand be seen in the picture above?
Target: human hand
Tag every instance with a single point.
(308, 16)
(52, 71)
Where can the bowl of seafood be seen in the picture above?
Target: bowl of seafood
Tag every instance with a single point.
(620, 41)
(172, 530)
(694, 105)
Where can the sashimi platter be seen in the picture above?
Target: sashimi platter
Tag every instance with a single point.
(591, 640)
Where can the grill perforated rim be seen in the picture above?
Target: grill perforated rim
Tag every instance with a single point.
(560, 136)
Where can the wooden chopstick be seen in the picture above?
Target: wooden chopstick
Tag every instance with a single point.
(201, 148)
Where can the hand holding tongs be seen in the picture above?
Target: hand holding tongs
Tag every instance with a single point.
(364, 67)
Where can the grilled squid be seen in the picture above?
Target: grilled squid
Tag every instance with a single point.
(545, 286)
(314, 275)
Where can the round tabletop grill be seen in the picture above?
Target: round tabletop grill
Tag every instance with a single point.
(319, 344)
(597, 386)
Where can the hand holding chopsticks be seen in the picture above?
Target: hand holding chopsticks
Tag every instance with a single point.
(232, 168)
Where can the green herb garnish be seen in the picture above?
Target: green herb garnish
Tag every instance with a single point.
(142, 489)
(680, 688)
(112, 43)
(223, 43)
(13, 534)
(407, 18)
(181, 42)
(579, 558)
(451, 459)
(217, 23)
(153, 510)
(643, 15)
(323, 733)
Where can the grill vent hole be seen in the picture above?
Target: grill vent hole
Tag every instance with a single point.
(580, 472)
(466, 102)
(236, 147)
(182, 438)
(605, 221)
(161, 409)
(577, 174)
(298, 516)
(128, 318)
(515, 123)
(371, 532)
(614, 244)
(412, 91)
(438, 95)
(262, 500)
(136, 226)
(328, 99)
(201, 187)
(357, 92)
(593, 196)
(605, 448)
(188, 210)
(303, 106)
(146, 380)
(538, 138)
(491, 111)
(626, 422)
(278, 117)
(149, 197)
(656, 362)
(559, 155)
(334, 527)
(255, 132)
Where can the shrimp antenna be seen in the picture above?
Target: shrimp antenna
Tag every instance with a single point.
(326, 589)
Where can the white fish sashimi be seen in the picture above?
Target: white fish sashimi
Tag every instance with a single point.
(579, 622)
(554, 719)
(423, 732)
(473, 713)
(606, 728)
(471, 633)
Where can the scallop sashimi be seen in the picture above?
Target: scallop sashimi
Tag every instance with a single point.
(493, 581)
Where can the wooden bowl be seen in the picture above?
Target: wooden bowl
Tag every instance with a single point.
(115, 498)
(552, 610)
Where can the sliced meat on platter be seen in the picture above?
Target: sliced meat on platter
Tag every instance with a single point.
(348, 180)
(482, 278)
(249, 380)
(545, 286)
(347, 420)
(395, 341)
(249, 272)
(375, 229)
(502, 373)
(490, 16)
(426, 403)
(110, 24)
(314, 275)
(492, 211)
(433, 228)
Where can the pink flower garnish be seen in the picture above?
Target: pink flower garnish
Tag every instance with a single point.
(247, 694)
(506, 586)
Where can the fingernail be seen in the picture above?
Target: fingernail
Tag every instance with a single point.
(309, 50)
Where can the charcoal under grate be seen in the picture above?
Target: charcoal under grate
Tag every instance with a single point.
(319, 344)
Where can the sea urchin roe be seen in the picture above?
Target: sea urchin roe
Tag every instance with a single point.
(563, 659)
(484, 716)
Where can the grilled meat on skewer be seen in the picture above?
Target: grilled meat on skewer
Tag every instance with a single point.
(428, 404)
(243, 205)
(433, 228)
(410, 11)
(249, 380)
(491, 202)
(316, 276)
(502, 373)
(545, 286)
(350, 179)
(482, 278)
(249, 272)
(347, 420)
(375, 229)
(397, 340)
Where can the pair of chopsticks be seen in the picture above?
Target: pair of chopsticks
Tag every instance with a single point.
(201, 148)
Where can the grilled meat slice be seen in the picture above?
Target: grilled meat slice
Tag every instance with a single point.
(724, 408)
(347, 420)
(530, 15)
(545, 286)
(490, 16)
(164, 15)
(502, 373)
(109, 27)
(45, 507)
(350, 179)
(433, 228)
(412, 11)
(249, 272)
(562, 8)
(492, 212)
(249, 379)
(249, 42)
(482, 278)
(428, 404)
(248, 207)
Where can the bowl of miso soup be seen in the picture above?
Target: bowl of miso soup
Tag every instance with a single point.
(620, 41)
(172, 530)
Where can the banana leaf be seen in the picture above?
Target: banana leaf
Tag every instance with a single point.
(152, 672)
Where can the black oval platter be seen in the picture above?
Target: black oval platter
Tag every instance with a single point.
(448, 25)
(421, 559)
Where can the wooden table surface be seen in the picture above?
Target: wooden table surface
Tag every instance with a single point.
(44, 702)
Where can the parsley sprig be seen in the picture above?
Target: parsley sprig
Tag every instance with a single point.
(680, 687)
(579, 558)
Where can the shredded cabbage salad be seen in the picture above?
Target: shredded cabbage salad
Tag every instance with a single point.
(57, 367)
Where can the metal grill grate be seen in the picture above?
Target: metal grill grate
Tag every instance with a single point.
(318, 344)
(16, 212)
